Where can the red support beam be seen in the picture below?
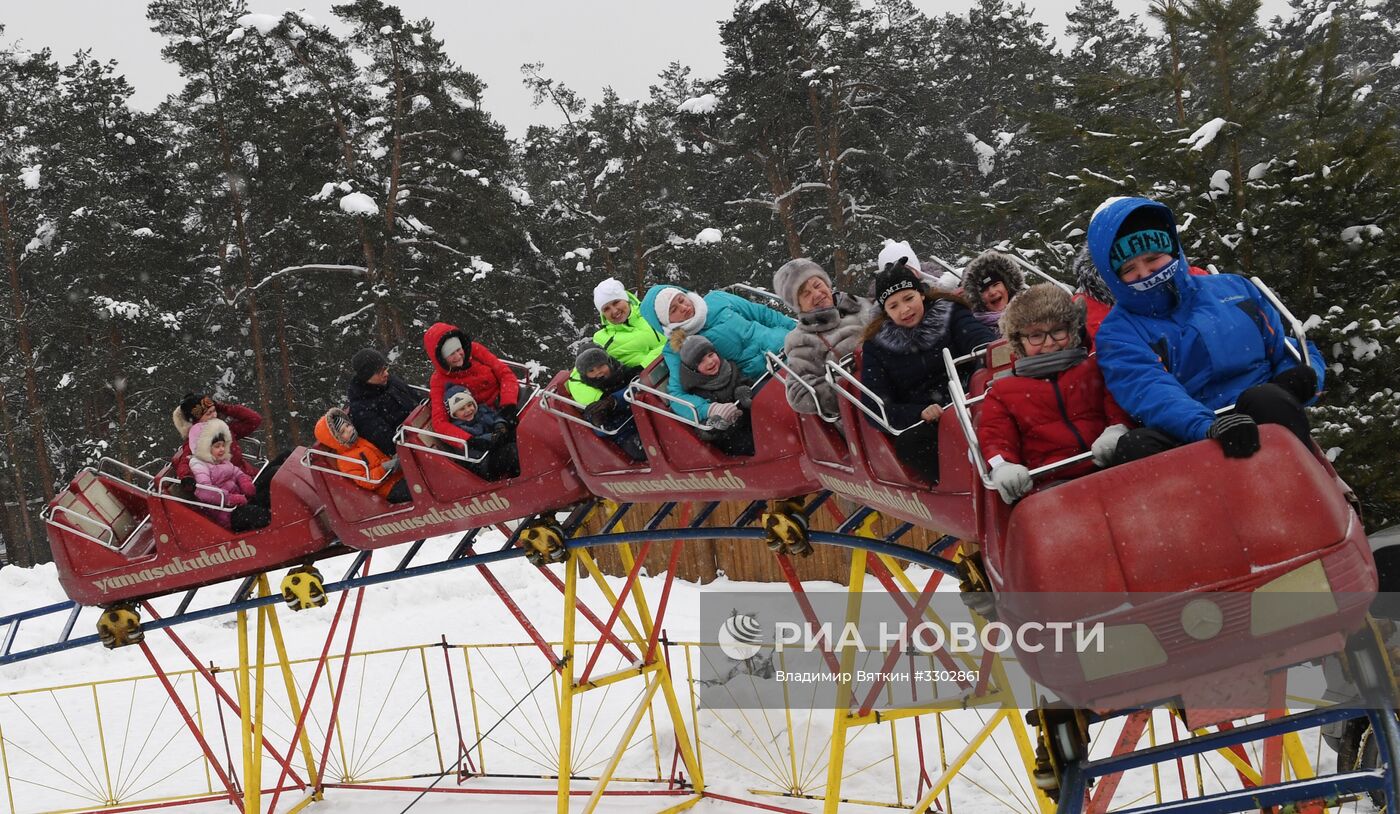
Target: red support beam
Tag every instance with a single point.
(189, 722)
(616, 609)
(338, 691)
(231, 702)
(316, 681)
(800, 594)
(462, 751)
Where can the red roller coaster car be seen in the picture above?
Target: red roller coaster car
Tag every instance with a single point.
(862, 465)
(116, 541)
(1206, 572)
(448, 497)
(679, 465)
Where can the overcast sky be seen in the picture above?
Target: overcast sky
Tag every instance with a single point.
(587, 44)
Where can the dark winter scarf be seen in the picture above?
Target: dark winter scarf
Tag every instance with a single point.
(1045, 365)
(719, 387)
(931, 333)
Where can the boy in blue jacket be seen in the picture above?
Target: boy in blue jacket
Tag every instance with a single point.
(1176, 347)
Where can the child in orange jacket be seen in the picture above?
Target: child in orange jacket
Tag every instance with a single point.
(337, 433)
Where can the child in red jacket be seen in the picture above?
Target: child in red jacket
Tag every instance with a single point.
(1055, 405)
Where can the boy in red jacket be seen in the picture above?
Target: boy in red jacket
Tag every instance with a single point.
(1055, 405)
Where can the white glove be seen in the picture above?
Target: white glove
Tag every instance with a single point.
(391, 464)
(724, 414)
(1012, 481)
(1105, 447)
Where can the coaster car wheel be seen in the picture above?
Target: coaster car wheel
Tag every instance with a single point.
(786, 527)
(119, 626)
(976, 589)
(1062, 739)
(303, 588)
(543, 541)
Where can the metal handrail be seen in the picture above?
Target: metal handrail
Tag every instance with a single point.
(310, 451)
(258, 452)
(131, 470)
(775, 361)
(959, 396)
(400, 440)
(1299, 333)
(1036, 270)
(165, 495)
(546, 396)
(630, 395)
(48, 517)
(882, 419)
(761, 292)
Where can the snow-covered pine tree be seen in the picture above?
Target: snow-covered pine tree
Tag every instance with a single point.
(26, 81)
(440, 187)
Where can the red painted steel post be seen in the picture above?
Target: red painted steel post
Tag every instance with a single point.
(189, 722)
(229, 701)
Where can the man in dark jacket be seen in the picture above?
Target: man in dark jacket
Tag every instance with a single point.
(379, 400)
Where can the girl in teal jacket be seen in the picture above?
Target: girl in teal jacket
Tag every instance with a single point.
(741, 332)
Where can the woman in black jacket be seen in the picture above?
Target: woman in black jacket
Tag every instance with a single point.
(902, 360)
(379, 400)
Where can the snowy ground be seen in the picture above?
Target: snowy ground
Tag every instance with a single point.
(397, 719)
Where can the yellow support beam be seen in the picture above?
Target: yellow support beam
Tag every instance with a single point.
(566, 690)
(244, 704)
(643, 705)
(837, 761)
(293, 699)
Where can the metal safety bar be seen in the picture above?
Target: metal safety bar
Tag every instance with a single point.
(880, 419)
(758, 292)
(959, 396)
(310, 451)
(130, 470)
(776, 363)
(48, 517)
(1037, 271)
(400, 439)
(164, 494)
(630, 394)
(547, 396)
(1300, 353)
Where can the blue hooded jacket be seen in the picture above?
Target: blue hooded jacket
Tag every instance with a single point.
(739, 329)
(1175, 353)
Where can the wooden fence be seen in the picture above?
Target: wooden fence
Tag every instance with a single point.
(743, 560)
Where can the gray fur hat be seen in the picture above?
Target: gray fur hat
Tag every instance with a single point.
(1046, 304)
(790, 276)
(1088, 280)
(988, 269)
(694, 349)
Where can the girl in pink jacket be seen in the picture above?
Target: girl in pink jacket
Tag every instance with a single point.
(218, 480)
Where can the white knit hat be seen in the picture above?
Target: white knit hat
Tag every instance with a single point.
(892, 251)
(662, 303)
(607, 291)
